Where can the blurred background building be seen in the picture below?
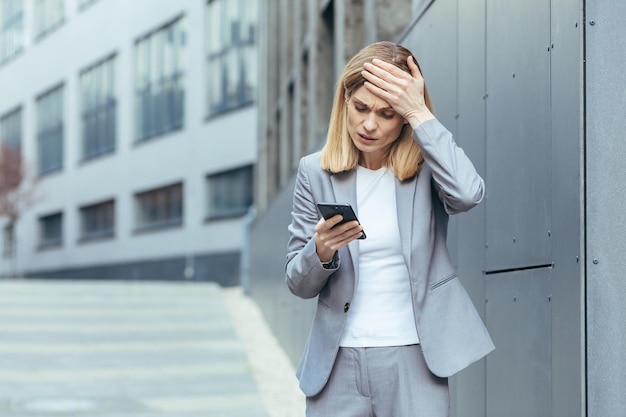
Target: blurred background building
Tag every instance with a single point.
(147, 122)
(533, 91)
(139, 119)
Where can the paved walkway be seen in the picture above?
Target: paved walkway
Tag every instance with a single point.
(140, 349)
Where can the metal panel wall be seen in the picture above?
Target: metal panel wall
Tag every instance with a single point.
(518, 133)
(567, 277)
(606, 199)
(519, 317)
(469, 387)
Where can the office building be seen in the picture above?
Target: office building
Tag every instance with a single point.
(138, 119)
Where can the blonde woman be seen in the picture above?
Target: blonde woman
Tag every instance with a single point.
(393, 321)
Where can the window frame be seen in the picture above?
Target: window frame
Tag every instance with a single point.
(168, 199)
(229, 180)
(105, 107)
(161, 111)
(11, 32)
(15, 139)
(54, 242)
(100, 211)
(8, 241)
(43, 23)
(53, 132)
(232, 45)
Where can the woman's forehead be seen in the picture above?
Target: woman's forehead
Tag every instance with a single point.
(365, 96)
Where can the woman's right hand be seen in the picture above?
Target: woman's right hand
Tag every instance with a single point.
(328, 239)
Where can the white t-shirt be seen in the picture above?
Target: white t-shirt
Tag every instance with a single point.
(381, 313)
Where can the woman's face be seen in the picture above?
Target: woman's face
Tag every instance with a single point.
(373, 126)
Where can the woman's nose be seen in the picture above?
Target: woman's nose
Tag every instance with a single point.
(370, 122)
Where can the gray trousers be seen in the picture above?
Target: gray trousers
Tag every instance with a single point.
(381, 382)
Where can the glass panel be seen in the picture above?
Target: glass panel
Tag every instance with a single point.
(230, 193)
(213, 27)
(50, 131)
(160, 207)
(230, 32)
(11, 27)
(51, 229)
(48, 14)
(231, 54)
(98, 220)
(231, 71)
(249, 14)
(11, 129)
(98, 109)
(250, 71)
(160, 80)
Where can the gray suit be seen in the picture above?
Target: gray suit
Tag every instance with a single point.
(450, 330)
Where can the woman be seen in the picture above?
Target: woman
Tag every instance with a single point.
(392, 322)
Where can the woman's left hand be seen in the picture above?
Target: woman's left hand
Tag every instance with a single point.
(403, 91)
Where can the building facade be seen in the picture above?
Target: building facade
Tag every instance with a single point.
(138, 120)
(531, 92)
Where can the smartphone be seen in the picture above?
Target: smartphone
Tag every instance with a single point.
(329, 210)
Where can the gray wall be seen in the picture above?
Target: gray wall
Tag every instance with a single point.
(508, 79)
(605, 192)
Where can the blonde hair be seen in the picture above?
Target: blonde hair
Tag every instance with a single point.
(339, 153)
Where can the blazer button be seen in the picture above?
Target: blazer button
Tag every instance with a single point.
(346, 307)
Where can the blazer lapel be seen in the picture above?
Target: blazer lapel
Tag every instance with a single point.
(344, 188)
(405, 195)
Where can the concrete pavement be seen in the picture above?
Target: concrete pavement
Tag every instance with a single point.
(140, 349)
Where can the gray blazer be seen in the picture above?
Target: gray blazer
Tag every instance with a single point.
(451, 333)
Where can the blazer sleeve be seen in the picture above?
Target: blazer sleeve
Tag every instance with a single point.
(458, 184)
(304, 273)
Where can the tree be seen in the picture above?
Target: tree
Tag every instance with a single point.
(17, 191)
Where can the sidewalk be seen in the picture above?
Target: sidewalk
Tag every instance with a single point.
(138, 349)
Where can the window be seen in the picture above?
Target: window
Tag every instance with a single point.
(98, 109)
(49, 14)
(161, 207)
(97, 220)
(160, 93)
(231, 54)
(11, 129)
(11, 28)
(50, 131)
(8, 244)
(51, 230)
(230, 193)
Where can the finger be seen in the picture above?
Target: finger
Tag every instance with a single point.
(324, 225)
(333, 221)
(380, 92)
(346, 239)
(387, 81)
(415, 70)
(382, 85)
(345, 231)
(388, 68)
(384, 79)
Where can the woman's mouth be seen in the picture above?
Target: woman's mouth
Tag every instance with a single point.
(366, 139)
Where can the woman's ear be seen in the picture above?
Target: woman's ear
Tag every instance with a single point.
(346, 95)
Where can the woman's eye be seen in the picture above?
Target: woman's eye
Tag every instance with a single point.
(388, 116)
(360, 109)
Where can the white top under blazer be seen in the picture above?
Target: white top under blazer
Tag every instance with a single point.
(381, 313)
